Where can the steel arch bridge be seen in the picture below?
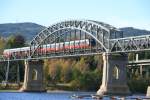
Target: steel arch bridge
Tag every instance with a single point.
(68, 38)
(77, 38)
(72, 31)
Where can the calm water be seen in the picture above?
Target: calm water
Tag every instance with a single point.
(48, 96)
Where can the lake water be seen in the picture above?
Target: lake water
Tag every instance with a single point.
(51, 96)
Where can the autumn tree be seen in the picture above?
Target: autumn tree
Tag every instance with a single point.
(54, 70)
(66, 71)
(82, 66)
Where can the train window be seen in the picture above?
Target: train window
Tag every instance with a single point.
(61, 45)
(84, 41)
(81, 42)
(87, 41)
(76, 42)
(52, 45)
(72, 42)
(44, 46)
(66, 43)
(48, 45)
(57, 45)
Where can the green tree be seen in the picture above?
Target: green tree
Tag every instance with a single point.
(90, 80)
(15, 41)
(2, 44)
(92, 63)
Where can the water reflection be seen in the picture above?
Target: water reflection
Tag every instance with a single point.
(58, 95)
(40, 96)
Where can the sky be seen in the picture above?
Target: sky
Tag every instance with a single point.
(119, 13)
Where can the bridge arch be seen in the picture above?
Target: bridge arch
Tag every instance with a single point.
(34, 74)
(97, 30)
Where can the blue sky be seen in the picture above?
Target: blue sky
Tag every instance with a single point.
(119, 13)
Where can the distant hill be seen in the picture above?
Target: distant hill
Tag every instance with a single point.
(29, 30)
(130, 31)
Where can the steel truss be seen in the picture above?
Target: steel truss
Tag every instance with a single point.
(130, 44)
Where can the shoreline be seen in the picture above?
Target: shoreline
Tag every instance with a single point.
(60, 91)
(48, 91)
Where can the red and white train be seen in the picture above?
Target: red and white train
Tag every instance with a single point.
(55, 47)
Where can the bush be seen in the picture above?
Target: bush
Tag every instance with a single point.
(138, 85)
(87, 81)
(76, 84)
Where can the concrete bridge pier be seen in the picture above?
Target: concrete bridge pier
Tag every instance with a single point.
(114, 75)
(148, 91)
(33, 78)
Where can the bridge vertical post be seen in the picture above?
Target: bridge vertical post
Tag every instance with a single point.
(114, 75)
(7, 72)
(33, 78)
(18, 73)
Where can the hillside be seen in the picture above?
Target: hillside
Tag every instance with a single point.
(29, 30)
(130, 31)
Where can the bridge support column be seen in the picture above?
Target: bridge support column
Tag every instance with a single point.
(114, 75)
(148, 91)
(33, 78)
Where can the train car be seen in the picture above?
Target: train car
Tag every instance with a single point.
(55, 47)
(16, 52)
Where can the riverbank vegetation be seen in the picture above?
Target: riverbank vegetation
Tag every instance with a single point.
(82, 73)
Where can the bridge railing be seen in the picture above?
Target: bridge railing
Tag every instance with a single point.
(2, 58)
(12, 58)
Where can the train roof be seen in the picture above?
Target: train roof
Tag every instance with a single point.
(17, 49)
